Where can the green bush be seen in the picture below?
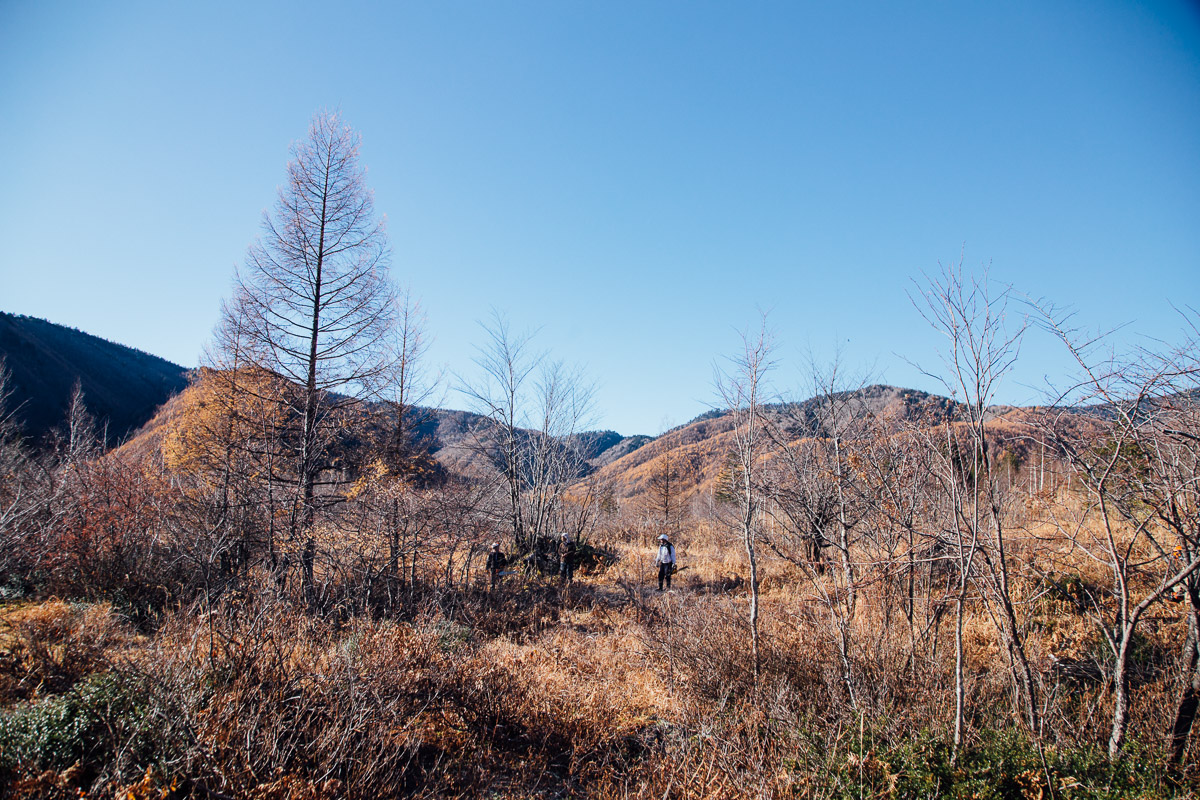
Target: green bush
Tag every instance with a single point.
(103, 723)
(1005, 765)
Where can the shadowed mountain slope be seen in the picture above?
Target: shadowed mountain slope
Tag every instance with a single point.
(122, 387)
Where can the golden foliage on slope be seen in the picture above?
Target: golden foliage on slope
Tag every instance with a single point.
(698, 449)
(218, 420)
(701, 448)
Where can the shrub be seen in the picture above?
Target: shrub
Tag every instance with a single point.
(102, 724)
(1001, 765)
(56, 644)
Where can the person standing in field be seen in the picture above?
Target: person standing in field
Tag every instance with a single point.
(566, 562)
(495, 565)
(665, 561)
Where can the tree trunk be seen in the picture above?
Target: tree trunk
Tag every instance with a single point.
(1189, 701)
(753, 556)
(1120, 701)
(844, 531)
(1015, 641)
(393, 565)
(959, 683)
(308, 445)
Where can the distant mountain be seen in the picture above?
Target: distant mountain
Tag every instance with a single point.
(129, 390)
(122, 387)
(699, 448)
(458, 440)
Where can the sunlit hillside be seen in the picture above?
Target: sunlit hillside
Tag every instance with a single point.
(698, 450)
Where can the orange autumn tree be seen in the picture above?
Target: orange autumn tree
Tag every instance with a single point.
(224, 445)
(224, 424)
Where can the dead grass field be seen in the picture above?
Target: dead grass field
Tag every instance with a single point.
(605, 689)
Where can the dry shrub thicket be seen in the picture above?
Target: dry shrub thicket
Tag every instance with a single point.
(953, 601)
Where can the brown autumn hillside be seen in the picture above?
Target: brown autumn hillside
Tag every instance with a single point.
(457, 439)
(699, 448)
(625, 465)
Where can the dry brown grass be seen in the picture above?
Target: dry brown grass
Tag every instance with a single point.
(606, 689)
(48, 647)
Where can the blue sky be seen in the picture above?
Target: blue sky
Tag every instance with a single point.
(633, 179)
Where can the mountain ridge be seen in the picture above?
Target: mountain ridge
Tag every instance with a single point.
(132, 391)
(123, 387)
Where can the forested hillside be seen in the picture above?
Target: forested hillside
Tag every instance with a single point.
(697, 449)
(123, 386)
(459, 441)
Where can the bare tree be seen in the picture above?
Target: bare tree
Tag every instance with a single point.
(552, 458)
(664, 495)
(404, 467)
(409, 388)
(815, 496)
(78, 438)
(1130, 430)
(13, 463)
(741, 387)
(839, 420)
(24, 488)
(981, 348)
(314, 302)
(1174, 491)
(534, 407)
(958, 480)
(501, 396)
(901, 497)
(319, 307)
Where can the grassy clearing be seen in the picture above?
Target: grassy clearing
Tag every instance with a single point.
(606, 689)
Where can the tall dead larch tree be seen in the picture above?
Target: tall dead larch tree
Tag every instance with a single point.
(314, 300)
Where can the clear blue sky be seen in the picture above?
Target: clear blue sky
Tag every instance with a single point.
(634, 178)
